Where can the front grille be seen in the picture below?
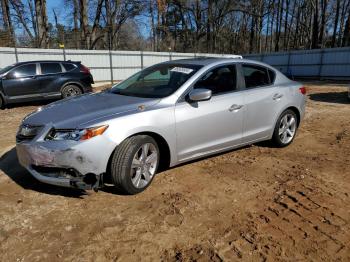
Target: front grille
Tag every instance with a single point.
(27, 132)
(20, 138)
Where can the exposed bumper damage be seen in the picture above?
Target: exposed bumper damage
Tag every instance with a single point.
(67, 179)
(68, 167)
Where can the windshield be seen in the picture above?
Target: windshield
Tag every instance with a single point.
(5, 69)
(157, 81)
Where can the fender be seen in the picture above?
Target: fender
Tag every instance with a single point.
(171, 141)
(281, 111)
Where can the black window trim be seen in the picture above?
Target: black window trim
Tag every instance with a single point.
(274, 74)
(257, 65)
(51, 62)
(18, 66)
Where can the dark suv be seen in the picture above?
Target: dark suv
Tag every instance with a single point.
(36, 80)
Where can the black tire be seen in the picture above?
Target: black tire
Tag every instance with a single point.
(71, 90)
(121, 164)
(1, 103)
(276, 138)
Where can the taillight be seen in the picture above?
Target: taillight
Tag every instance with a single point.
(84, 69)
(302, 90)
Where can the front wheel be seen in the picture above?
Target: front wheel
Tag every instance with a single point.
(285, 129)
(135, 163)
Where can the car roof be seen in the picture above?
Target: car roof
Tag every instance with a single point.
(45, 61)
(204, 61)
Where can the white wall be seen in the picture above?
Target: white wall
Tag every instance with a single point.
(319, 63)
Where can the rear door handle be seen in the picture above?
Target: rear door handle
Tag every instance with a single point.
(235, 108)
(277, 96)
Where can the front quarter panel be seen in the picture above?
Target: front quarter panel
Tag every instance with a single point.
(160, 121)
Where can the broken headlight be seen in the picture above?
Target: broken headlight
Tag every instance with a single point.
(75, 134)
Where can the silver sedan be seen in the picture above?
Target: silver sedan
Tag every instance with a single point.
(164, 115)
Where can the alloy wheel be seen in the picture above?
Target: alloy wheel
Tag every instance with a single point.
(287, 128)
(71, 90)
(144, 164)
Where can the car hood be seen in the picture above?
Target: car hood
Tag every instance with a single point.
(76, 111)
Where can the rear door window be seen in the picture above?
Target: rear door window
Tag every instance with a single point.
(255, 76)
(50, 68)
(24, 71)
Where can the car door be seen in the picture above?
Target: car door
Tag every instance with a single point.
(209, 126)
(21, 81)
(51, 77)
(262, 100)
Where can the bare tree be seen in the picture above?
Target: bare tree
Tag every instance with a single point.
(42, 23)
(346, 40)
(5, 8)
(218, 26)
(117, 14)
(336, 21)
(75, 21)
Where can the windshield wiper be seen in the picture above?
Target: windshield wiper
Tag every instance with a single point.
(119, 92)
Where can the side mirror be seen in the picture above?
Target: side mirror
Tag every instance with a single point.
(8, 76)
(200, 94)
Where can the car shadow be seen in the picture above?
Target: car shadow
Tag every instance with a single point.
(111, 189)
(32, 103)
(331, 97)
(10, 166)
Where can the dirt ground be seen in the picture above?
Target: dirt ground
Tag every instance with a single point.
(253, 204)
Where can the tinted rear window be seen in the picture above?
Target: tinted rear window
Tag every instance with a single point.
(255, 76)
(68, 66)
(50, 68)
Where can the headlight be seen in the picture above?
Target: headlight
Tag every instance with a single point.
(75, 134)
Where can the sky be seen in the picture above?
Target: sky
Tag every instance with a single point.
(50, 5)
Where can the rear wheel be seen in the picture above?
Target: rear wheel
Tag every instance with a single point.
(285, 129)
(135, 163)
(70, 90)
(1, 103)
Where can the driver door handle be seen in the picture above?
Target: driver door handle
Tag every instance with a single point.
(235, 108)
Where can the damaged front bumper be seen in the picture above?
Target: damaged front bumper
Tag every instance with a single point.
(67, 163)
(66, 179)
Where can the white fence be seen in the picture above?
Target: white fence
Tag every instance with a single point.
(331, 63)
(104, 65)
